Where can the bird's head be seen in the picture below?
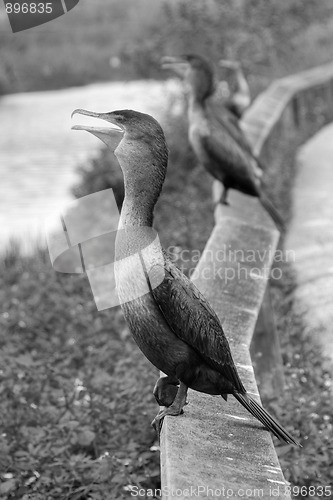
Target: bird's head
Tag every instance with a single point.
(138, 142)
(196, 70)
(134, 137)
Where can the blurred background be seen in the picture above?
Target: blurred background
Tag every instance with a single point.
(76, 394)
(270, 39)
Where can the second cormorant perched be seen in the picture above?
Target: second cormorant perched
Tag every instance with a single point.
(218, 142)
(240, 98)
(173, 324)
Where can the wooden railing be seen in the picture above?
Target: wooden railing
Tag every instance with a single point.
(217, 449)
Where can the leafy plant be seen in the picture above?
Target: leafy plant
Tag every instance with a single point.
(75, 392)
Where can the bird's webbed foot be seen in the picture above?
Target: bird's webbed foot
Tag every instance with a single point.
(165, 390)
(175, 409)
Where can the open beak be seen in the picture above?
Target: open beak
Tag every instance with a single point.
(111, 136)
(177, 64)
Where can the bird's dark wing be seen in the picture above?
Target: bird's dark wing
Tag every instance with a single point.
(232, 106)
(222, 115)
(193, 320)
(231, 161)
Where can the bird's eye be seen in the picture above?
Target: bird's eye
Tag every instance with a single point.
(119, 117)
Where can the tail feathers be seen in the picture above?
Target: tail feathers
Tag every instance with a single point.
(270, 208)
(265, 418)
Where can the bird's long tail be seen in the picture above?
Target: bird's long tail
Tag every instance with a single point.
(270, 208)
(265, 418)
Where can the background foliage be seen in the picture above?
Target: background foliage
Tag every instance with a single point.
(270, 38)
(76, 394)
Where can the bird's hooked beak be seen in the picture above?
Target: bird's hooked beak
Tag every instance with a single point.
(111, 136)
(178, 65)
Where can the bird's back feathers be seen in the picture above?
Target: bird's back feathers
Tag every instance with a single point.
(229, 162)
(193, 320)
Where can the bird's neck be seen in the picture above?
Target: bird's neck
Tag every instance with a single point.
(197, 97)
(196, 108)
(201, 87)
(143, 184)
(242, 84)
(136, 212)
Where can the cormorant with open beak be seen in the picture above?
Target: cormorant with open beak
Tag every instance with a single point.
(173, 324)
(217, 141)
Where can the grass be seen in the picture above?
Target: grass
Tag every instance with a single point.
(76, 395)
(307, 400)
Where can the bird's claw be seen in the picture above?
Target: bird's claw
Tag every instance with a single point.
(157, 425)
(158, 420)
